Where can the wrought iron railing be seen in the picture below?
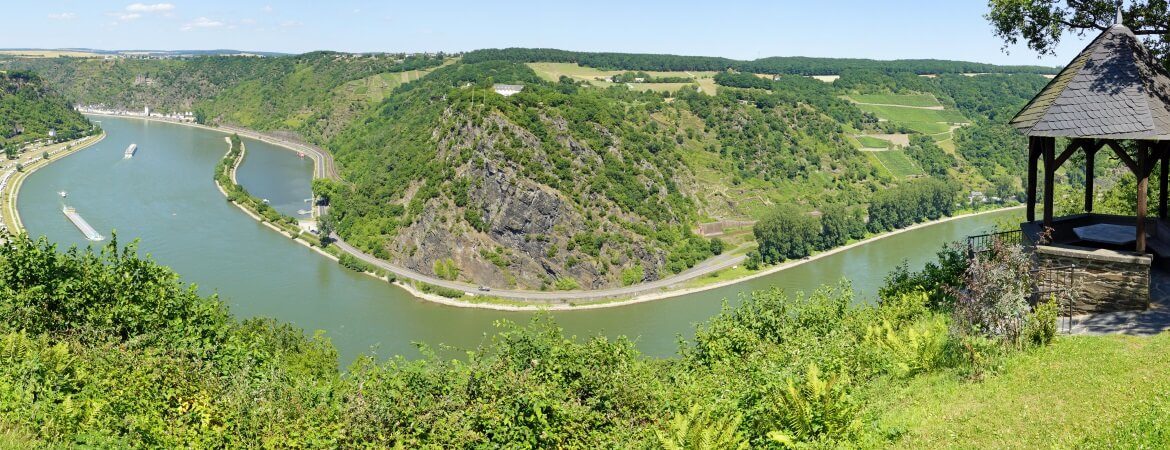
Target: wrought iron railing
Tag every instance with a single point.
(985, 242)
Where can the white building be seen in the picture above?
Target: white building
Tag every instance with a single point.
(508, 90)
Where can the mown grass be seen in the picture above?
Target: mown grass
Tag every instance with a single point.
(901, 114)
(897, 99)
(897, 163)
(1101, 389)
(872, 142)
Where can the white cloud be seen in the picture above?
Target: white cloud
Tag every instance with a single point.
(290, 24)
(125, 17)
(202, 22)
(63, 16)
(246, 21)
(150, 8)
(267, 8)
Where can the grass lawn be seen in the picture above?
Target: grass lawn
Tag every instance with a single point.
(1079, 388)
(897, 163)
(901, 114)
(872, 142)
(897, 99)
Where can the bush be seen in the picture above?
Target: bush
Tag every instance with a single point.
(1040, 328)
(567, 284)
(701, 429)
(994, 298)
(914, 348)
(817, 411)
(351, 262)
(441, 291)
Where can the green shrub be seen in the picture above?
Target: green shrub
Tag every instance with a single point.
(1040, 327)
(914, 348)
(441, 291)
(701, 429)
(816, 411)
(633, 275)
(567, 284)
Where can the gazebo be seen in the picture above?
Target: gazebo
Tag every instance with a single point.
(1114, 95)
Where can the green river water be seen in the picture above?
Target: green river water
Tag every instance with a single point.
(165, 197)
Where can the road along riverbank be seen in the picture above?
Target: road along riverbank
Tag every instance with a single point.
(419, 284)
(11, 179)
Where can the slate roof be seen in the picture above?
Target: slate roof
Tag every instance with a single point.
(1113, 89)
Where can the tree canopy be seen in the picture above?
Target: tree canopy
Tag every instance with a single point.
(1041, 24)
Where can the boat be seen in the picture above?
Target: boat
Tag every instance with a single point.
(133, 148)
(63, 194)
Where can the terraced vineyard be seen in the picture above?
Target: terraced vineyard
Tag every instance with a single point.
(914, 100)
(897, 163)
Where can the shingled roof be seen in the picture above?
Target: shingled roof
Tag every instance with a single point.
(1113, 89)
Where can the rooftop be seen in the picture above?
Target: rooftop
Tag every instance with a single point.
(1113, 89)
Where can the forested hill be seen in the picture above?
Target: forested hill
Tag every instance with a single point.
(594, 178)
(301, 93)
(794, 65)
(29, 110)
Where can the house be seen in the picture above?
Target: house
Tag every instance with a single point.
(508, 90)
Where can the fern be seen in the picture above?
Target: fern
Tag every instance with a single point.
(699, 429)
(819, 409)
(913, 349)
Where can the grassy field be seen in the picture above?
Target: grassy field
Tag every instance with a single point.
(900, 114)
(554, 72)
(897, 163)
(872, 142)
(375, 88)
(921, 100)
(1081, 388)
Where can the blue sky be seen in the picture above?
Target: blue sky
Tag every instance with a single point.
(736, 29)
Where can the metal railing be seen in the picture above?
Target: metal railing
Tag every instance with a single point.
(985, 242)
(1059, 282)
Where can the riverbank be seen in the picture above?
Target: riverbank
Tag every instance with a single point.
(12, 179)
(514, 300)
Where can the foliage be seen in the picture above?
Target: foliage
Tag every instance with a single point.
(940, 279)
(996, 286)
(912, 202)
(818, 410)
(915, 348)
(785, 234)
(701, 429)
(1040, 325)
(771, 65)
(1042, 24)
(29, 110)
(930, 157)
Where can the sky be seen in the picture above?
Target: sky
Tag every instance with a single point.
(740, 29)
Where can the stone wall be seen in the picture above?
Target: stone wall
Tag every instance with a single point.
(1103, 281)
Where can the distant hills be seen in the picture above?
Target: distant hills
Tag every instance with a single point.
(81, 52)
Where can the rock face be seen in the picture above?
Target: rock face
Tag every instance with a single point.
(1102, 281)
(529, 234)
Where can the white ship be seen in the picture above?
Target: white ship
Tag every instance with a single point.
(133, 148)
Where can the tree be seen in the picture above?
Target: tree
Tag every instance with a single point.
(10, 151)
(45, 155)
(787, 233)
(1042, 23)
(839, 225)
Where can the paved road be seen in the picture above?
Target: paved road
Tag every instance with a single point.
(707, 266)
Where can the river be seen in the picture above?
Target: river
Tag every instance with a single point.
(165, 197)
